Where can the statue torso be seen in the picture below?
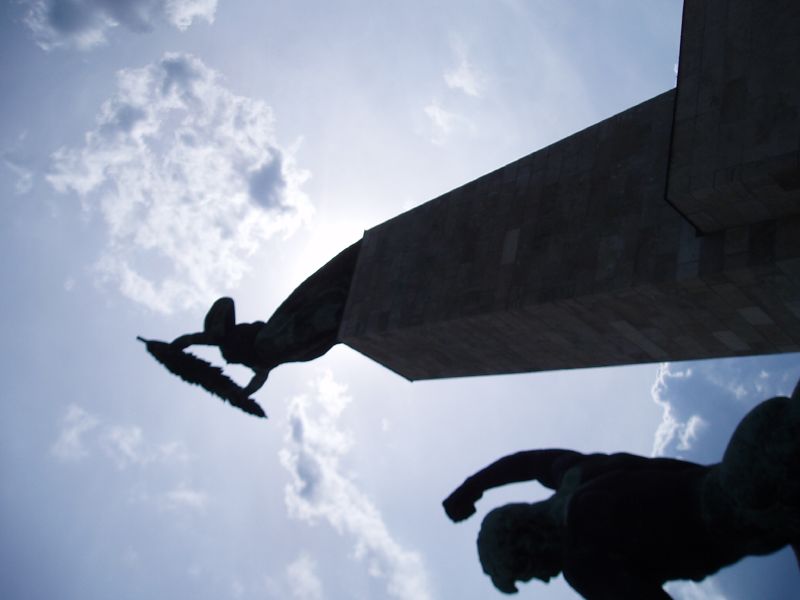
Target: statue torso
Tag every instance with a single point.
(239, 345)
(645, 522)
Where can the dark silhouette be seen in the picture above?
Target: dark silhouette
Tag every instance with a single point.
(304, 327)
(619, 526)
(199, 372)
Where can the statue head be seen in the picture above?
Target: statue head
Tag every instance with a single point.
(221, 318)
(519, 542)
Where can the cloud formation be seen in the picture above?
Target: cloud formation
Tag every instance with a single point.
(84, 24)
(301, 576)
(189, 181)
(464, 76)
(82, 433)
(22, 173)
(182, 498)
(20, 164)
(319, 490)
(689, 590)
(703, 401)
(126, 446)
(75, 425)
(444, 122)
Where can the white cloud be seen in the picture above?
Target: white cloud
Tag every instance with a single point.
(183, 498)
(670, 427)
(689, 590)
(84, 24)
(464, 76)
(690, 431)
(75, 425)
(125, 445)
(703, 401)
(301, 576)
(23, 174)
(319, 490)
(443, 119)
(20, 163)
(189, 180)
(443, 122)
(181, 13)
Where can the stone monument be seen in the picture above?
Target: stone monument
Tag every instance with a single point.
(670, 231)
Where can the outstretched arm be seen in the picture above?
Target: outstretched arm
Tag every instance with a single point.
(193, 339)
(545, 466)
(258, 380)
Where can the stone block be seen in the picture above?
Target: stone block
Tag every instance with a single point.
(572, 256)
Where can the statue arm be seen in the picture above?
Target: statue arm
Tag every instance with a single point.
(545, 466)
(258, 380)
(193, 339)
(596, 465)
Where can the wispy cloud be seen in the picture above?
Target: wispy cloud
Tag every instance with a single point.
(302, 579)
(182, 498)
(126, 446)
(82, 433)
(20, 164)
(464, 76)
(447, 118)
(443, 122)
(84, 24)
(22, 172)
(70, 445)
(189, 180)
(319, 490)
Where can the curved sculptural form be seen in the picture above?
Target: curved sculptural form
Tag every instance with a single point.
(304, 327)
(619, 526)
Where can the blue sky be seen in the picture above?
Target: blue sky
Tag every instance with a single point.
(155, 154)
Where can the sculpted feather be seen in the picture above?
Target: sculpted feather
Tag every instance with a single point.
(197, 371)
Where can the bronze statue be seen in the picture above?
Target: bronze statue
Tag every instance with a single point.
(304, 327)
(620, 526)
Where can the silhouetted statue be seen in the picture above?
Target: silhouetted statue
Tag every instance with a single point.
(305, 326)
(619, 526)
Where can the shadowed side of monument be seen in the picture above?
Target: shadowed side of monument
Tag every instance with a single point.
(574, 257)
(735, 157)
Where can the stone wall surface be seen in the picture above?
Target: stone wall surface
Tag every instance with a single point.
(570, 258)
(667, 232)
(736, 147)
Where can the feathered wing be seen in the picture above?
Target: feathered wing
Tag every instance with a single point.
(197, 371)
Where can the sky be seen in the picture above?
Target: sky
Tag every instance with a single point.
(156, 154)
